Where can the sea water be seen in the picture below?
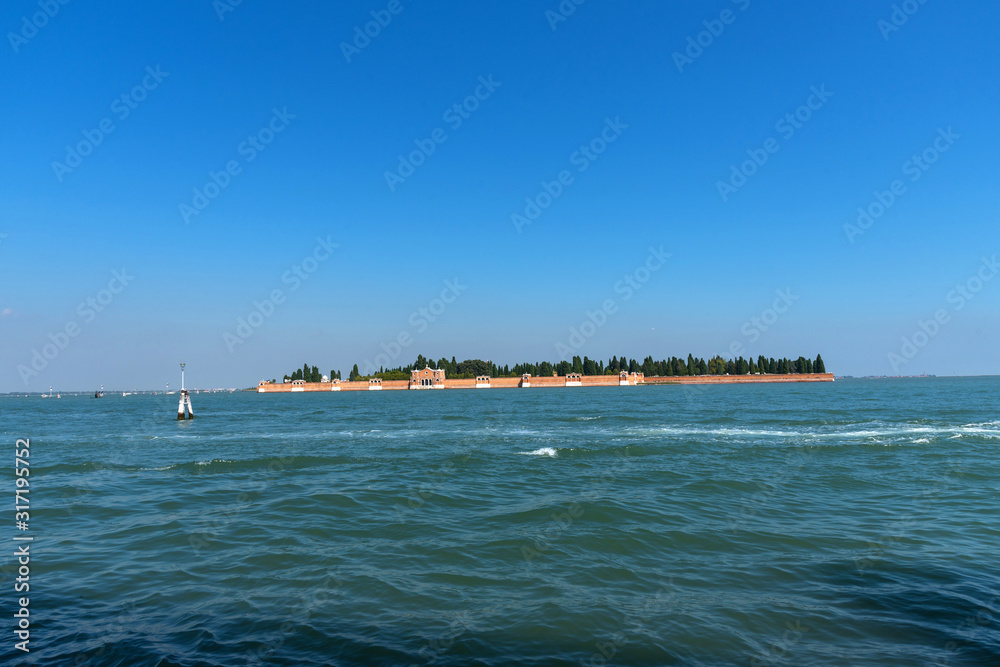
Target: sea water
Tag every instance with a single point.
(790, 524)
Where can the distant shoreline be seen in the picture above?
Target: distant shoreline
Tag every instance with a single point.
(529, 382)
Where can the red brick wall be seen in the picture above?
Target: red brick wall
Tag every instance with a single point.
(362, 385)
(347, 385)
(601, 380)
(548, 382)
(588, 381)
(741, 379)
(395, 384)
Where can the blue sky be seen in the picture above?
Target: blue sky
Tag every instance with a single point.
(210, 86)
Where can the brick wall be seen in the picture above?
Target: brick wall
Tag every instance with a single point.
(741, 379)
(587, 381)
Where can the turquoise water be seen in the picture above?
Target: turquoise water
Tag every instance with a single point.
(815, 524)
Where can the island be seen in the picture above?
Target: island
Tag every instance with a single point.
(580, 372)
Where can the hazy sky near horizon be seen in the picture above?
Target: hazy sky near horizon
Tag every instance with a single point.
(170, 169)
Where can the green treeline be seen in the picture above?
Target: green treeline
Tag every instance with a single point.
(674, 366)
(310, 374)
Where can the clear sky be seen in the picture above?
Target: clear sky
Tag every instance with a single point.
(641, 108)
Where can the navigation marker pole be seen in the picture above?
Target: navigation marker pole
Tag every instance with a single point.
(184, 400)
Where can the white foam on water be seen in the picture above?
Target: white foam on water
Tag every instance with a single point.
(977, 429)
(673, 430)
(874, 433)
(544, 451)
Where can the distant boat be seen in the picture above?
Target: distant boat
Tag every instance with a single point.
(99, 393)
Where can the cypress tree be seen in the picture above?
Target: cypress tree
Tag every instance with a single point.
(648, 366)
(819, 366)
